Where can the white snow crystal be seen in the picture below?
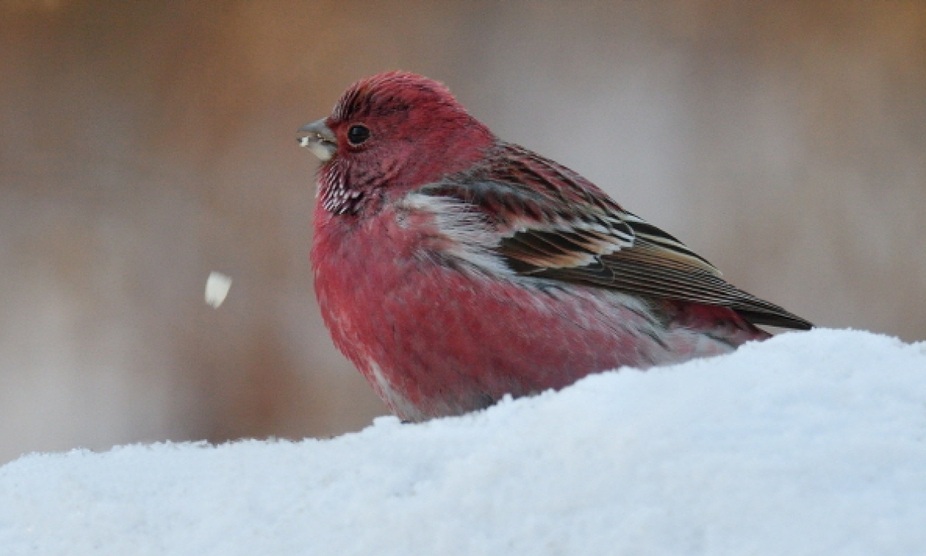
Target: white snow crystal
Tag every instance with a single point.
(217, 286)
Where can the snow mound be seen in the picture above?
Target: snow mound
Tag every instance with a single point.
(809, 443)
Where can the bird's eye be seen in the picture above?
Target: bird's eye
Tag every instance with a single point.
(358, 134)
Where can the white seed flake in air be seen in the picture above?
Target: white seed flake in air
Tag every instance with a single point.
(217, 286)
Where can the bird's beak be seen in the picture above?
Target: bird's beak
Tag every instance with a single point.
(319, 139)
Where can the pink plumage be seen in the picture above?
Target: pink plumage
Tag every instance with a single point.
(453, 268)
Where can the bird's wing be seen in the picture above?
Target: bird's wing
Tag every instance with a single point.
(549, 222)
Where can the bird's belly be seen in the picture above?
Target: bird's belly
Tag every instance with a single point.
(435, 340)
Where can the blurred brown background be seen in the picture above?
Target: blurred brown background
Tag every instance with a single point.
(143, 145)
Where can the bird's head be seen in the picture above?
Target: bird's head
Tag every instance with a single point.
(389, 133)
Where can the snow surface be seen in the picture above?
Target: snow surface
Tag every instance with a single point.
(809, 443)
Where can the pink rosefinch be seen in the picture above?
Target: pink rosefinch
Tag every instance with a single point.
(453, 268)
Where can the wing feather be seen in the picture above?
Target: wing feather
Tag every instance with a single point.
(554, 224)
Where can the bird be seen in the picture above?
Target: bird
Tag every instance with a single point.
(453, 268)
